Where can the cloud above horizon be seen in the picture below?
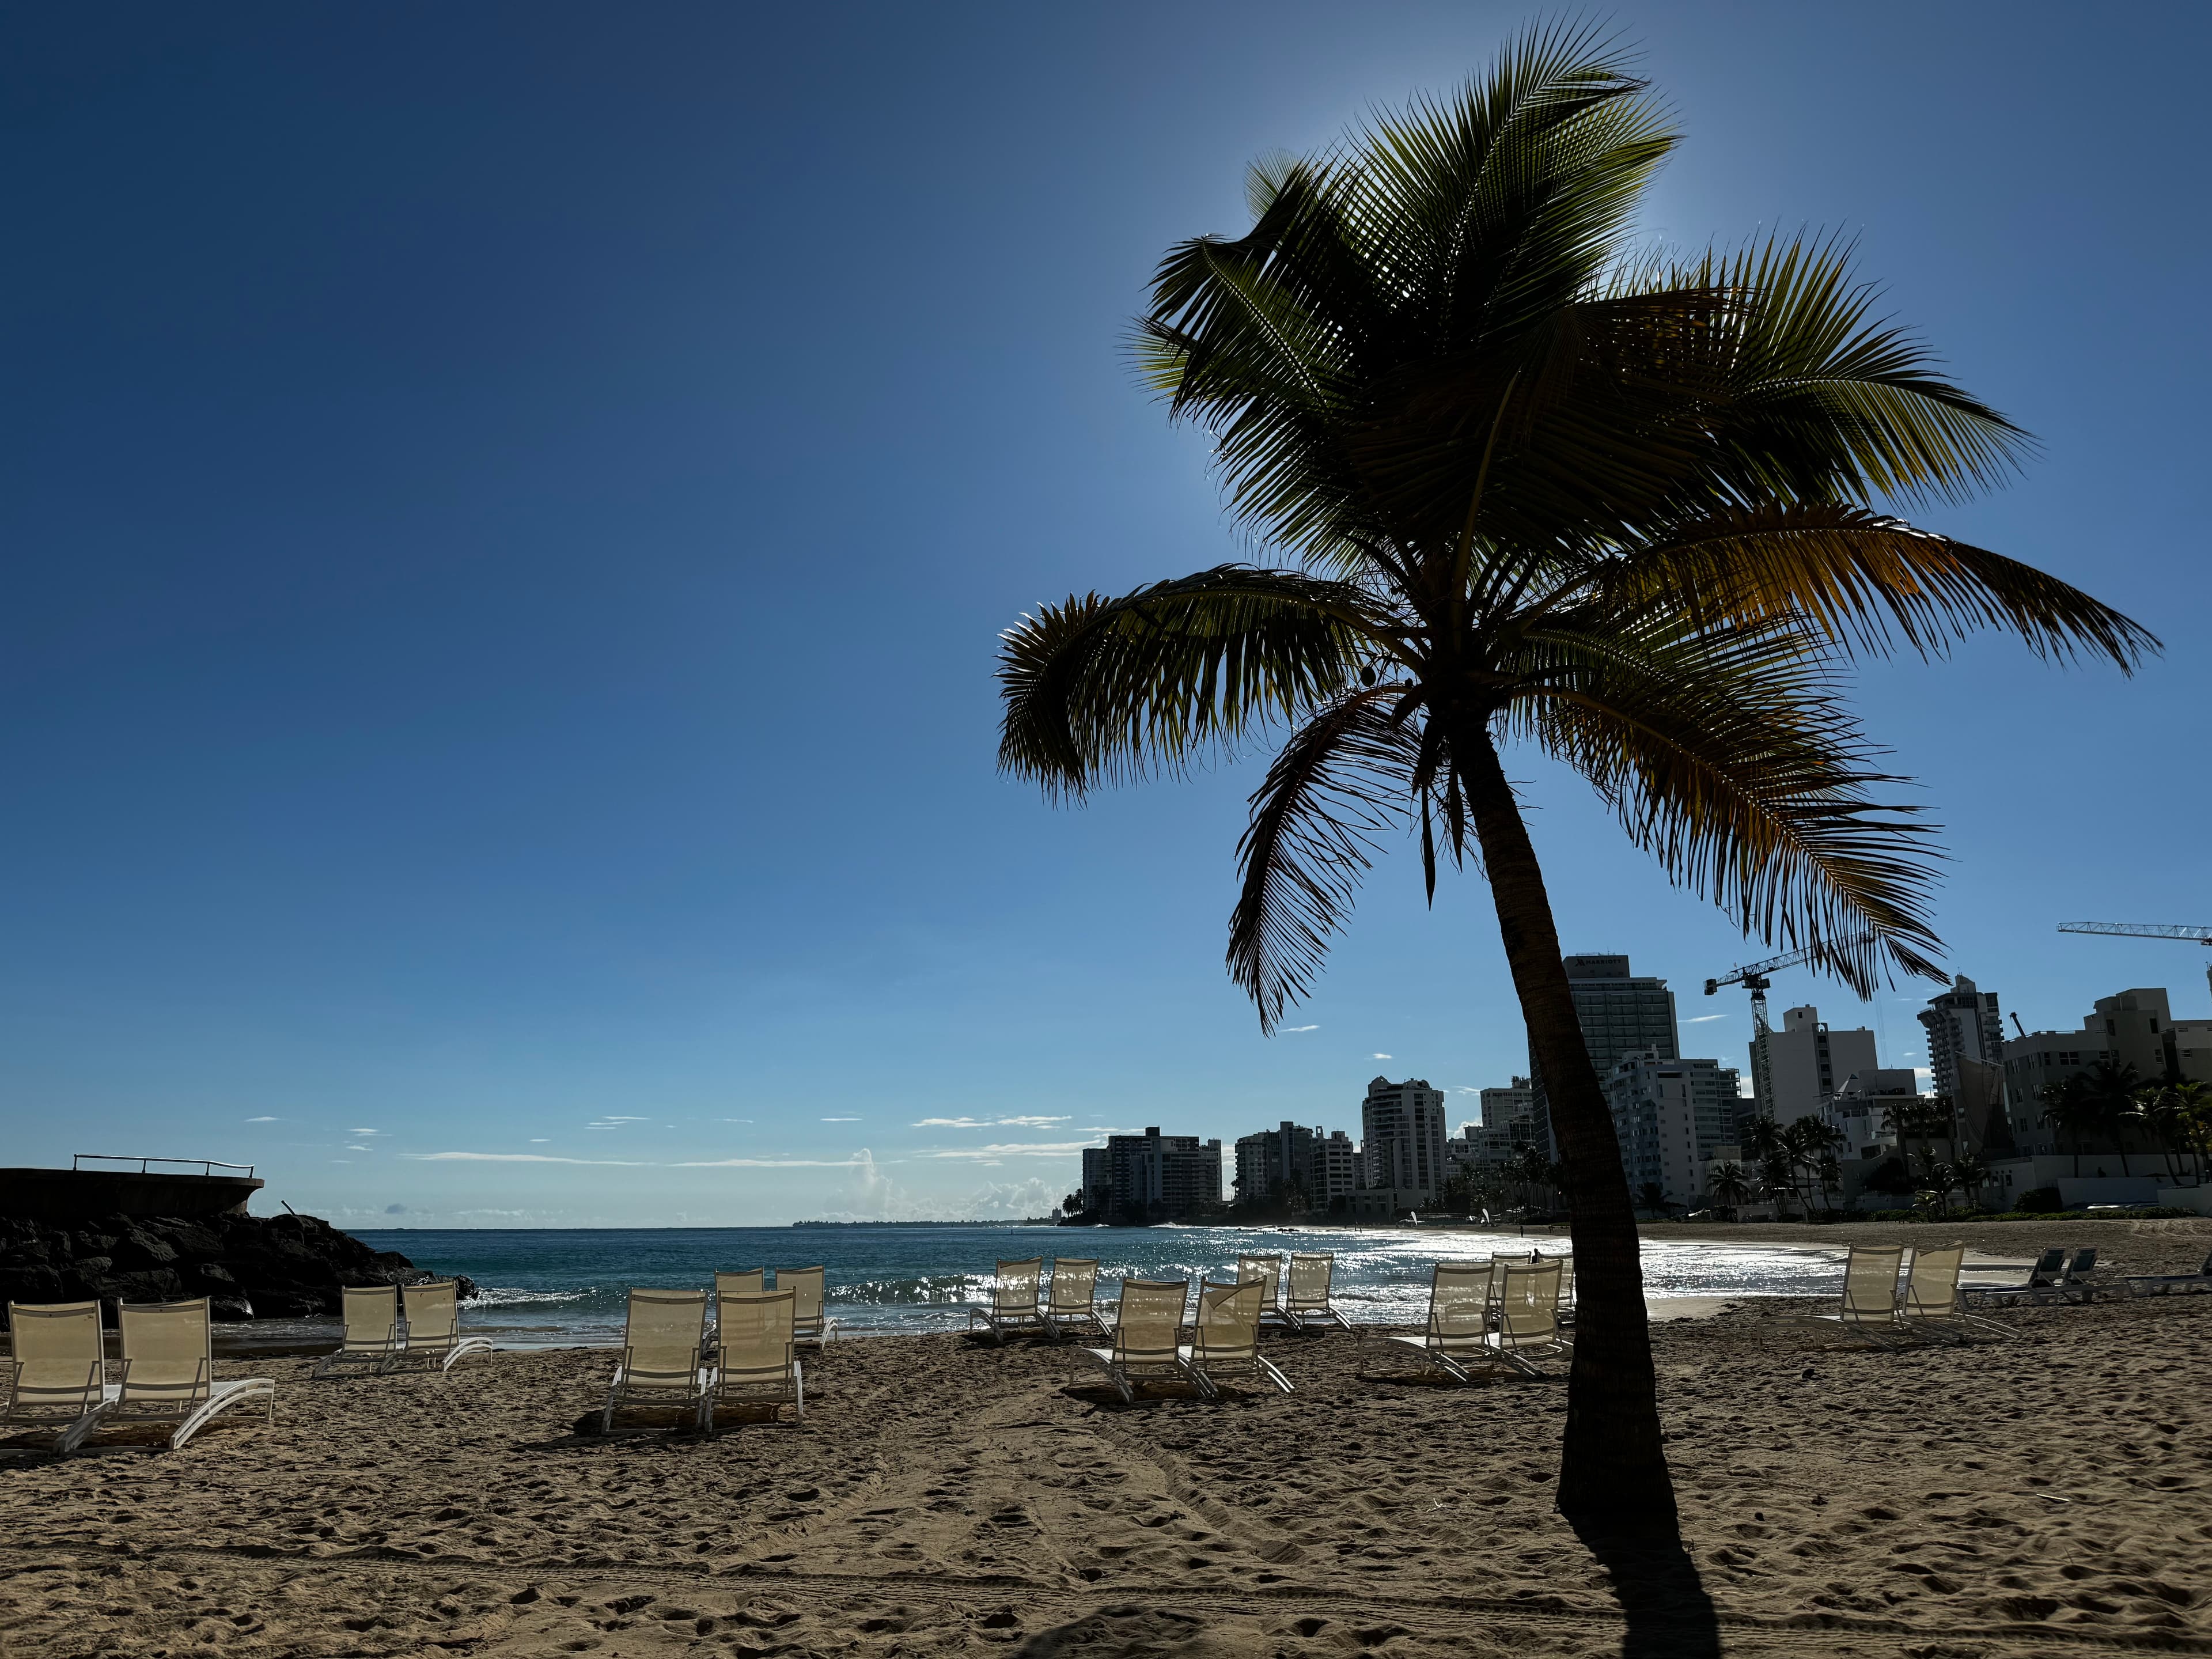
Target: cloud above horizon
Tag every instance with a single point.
(1699, 1020)
(858, 1161)
(1292, 1031)
(264, 1120)
(1011, 1149)
(521, 1158)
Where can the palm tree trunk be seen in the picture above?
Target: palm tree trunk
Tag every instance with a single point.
(1612, 1469)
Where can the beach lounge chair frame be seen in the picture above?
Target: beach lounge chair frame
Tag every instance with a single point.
(1225, 1338)
(756, 1354)
(2045, 1272)
(809, 1323)
(56, 1370)
(1147, 1336)
(431, 1313)
(373, 1338)
(1869, 1308)
(169, 1371)
(1527, 1312)
(1012, 1309)
(1073, 1305)
(661, 1333)
(2170, 1284)
(1306, 1304)
(1931, 1302)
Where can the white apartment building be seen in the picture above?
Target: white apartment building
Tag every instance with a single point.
(1515, 1104)
(1859, 1111)
(1806, 1062)
(1402, 1140)
(1335, 1167)
(1671, 1116)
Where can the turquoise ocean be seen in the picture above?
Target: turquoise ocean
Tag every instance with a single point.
(568, 1287)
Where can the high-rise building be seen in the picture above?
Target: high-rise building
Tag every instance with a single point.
(1806, 1063)
(1963, 1024)
(2134, 1028)
(1335, 1168)
(1152, 1177)
(1618, 1013)
(1502, 1107)
(1403, 1139)
(1672, 1117)
(1274, 1159)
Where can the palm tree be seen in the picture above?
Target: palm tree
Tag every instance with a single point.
(2192, 1106)
(2068, 1110)
(2158, 1111)
(1653, 1197)
(1973, 1175)
(2107, 1091)
(1531, 1169)
(1729, 1188)
(1530, 484)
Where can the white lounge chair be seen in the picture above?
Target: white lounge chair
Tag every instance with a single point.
(1458, 1333)
(660, 1366)
(756, 1358)
(741, 1281)
(1147, 1336)
(56, 1370)
(1306, 1304)
(1073, 1305)
(808, 1322)
(1225, 1339)
(1932, 1304)
(372, 1339)
(1013, 1310)
(433, 1310)
(1528, 1313)
(1869, 1305)
(1266, 1271)
(169, 1371)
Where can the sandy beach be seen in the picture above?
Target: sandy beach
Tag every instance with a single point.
(2043, 1494)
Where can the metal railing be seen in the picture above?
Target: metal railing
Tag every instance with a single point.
(206, 1166)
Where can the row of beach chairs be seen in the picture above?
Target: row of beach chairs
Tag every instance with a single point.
(58, 1371)
(1504, 1312)
(750, 1359)
(387, 1326)
(1027, 1301)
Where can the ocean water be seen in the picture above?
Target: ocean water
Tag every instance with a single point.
(562, 1287)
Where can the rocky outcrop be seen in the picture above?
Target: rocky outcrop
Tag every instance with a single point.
(251, 1266)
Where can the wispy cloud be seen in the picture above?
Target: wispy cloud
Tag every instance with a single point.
(520, 1158)
(861, 1162)
(1012, 1149)
(1462, 1089)
(737, 1119)
(1700, 1019)
(364, 1131)
(263, 1120)
(834, 1120)
(356, 1149)
(1379, 1054)
(1026, 1123)
(1030, 1122)
(953, 1123)
(1288, 1030)
(540, 1140)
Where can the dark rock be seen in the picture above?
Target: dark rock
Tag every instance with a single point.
(252, 1266)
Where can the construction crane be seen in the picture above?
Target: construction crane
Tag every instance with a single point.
(1754, 979)
(2146, 930)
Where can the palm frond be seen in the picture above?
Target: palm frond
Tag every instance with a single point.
(1341, 780)
(1861, 579)
(1099, 690)
(1727, 755)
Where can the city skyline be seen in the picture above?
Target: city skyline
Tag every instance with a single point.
(501, 726)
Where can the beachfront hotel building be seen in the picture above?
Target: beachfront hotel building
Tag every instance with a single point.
(1620, 1014)
(1965, 1028)
(1672, 1118)
(1509, 1107)
(1152, 1177)
(1335, 1168)
(1402, 1141)
(1277, 1157)
(1806, 1062)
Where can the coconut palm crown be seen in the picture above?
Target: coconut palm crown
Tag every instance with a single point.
(1526, 484)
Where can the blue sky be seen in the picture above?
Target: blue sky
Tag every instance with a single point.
(507, 513)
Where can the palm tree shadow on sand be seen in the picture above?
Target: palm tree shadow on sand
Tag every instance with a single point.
(1669, 1615)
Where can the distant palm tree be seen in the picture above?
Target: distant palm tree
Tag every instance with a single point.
(2068, 1110)
(1973, 1174)
(2192, 1106)
(1729, 1188)
(1533, 484)
(2157, 1112)
(2107, 1090)
(1652, 1196)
